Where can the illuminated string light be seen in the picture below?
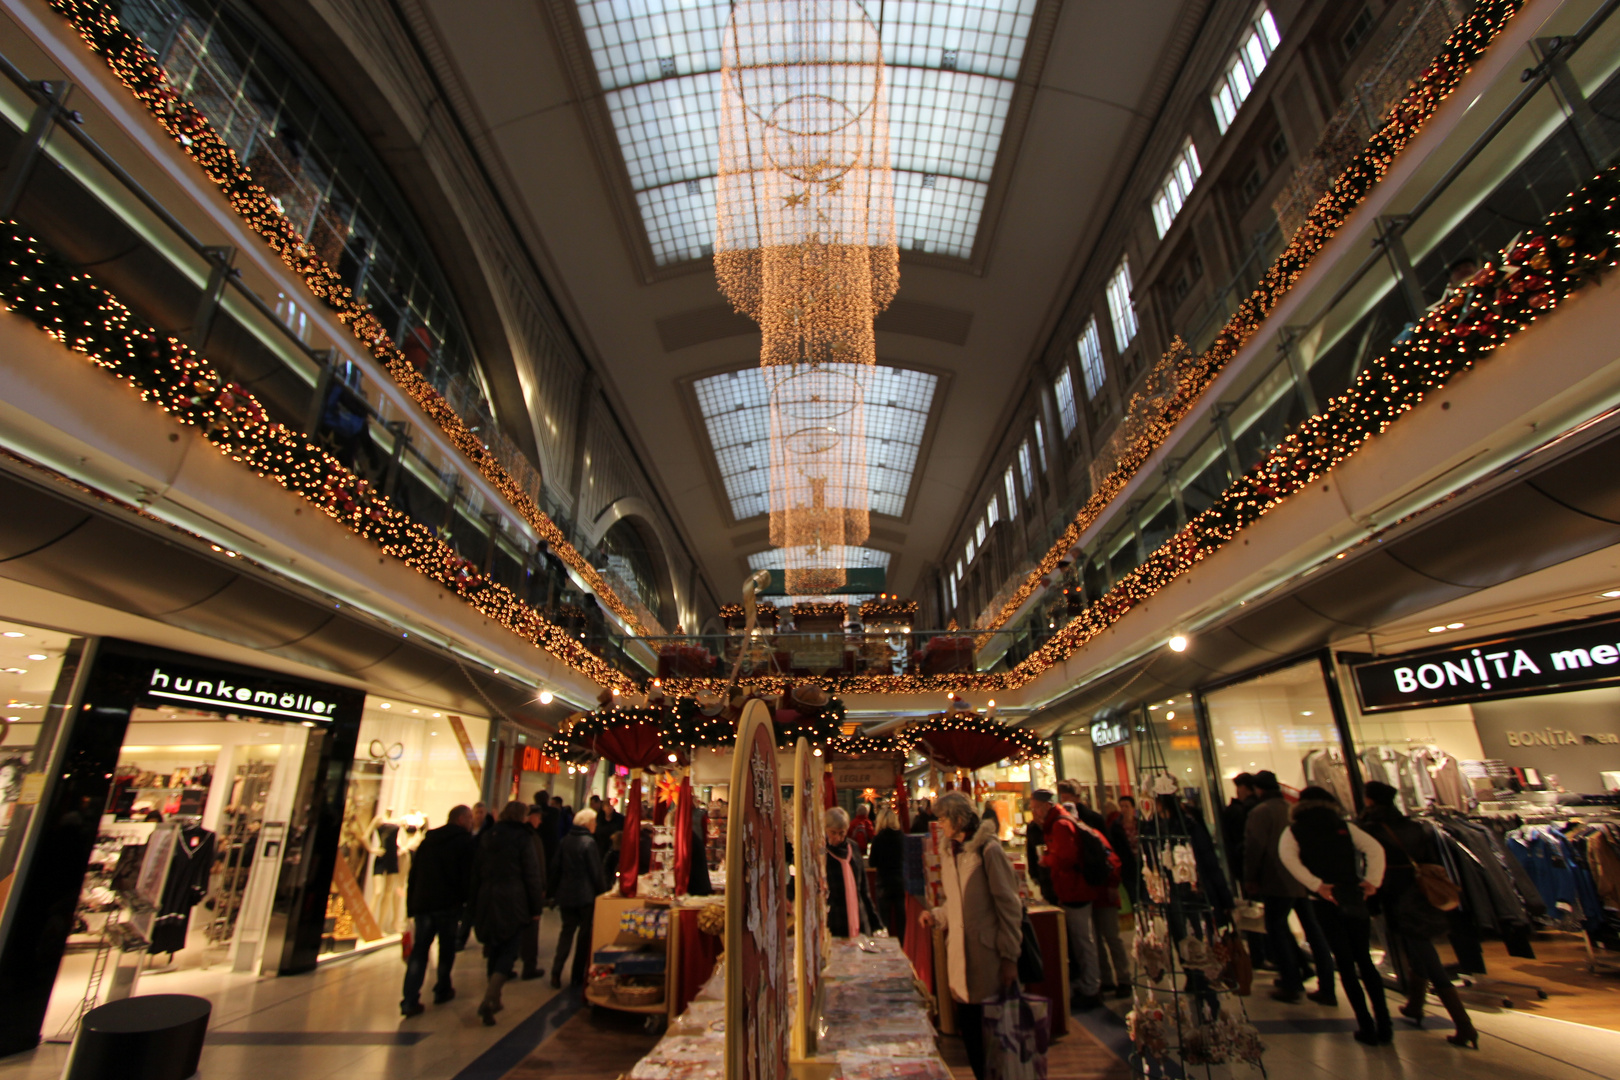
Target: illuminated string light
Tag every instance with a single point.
(134, 64)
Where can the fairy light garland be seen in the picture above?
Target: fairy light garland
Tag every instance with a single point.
(138, 69)
(870, 746)
(73, 309)
(1528, 281)
(1433, 85)
(889, 611)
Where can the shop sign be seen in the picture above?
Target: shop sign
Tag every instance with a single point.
(1113, 731)
(1572, 657)
(272, 699)
(865, 774)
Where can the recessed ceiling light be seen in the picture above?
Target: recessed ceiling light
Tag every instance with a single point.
(16, 671)
(1306, 712)
(1437, 629)
(1454, 626)
(415, 711)
(12, 719)
(19, 633)
(385, 705)
(435, 714)
(37, 656)
(1611, 594)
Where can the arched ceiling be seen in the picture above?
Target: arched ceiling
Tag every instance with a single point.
(1035, 109)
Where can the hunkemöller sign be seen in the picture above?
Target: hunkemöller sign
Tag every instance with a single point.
(269, 698)
(1572, 656)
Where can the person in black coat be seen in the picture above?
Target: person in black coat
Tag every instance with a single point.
(580, 880)
(435, 895)
(1407, 844)
(889, 860)
(509, 892)
(844, 863)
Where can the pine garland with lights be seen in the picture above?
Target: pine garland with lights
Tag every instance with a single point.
(1538, 271)
(1467, 42)
(1528, 281)
(870, 746)
(98, 25)
(73, 309)
(889, 611)
(687, 725)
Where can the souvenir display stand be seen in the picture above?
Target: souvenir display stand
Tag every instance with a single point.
(1190, 966)
(641, 953)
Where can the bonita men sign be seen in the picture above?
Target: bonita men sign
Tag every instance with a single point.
(1574, 656)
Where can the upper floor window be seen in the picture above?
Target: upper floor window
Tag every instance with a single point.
(950, 583)
(1040, 441)
(1178, 184)
(1092, 372)
(1252, 55)
(972, 550)
(1026, 468)
(1012, 498)
(981, 530)
(958, 569)
(1063, 389)
(992, 512)
(1120, 306)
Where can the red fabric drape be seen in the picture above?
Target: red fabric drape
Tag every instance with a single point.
(829, 790)
(634, 745)
(630, 841)
(683, 837)
(699, 953)
(902, 805)
(968, 749)
(1123, 765)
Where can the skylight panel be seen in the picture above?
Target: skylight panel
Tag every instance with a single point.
(860, 558)
(952, 66)
(736, 413)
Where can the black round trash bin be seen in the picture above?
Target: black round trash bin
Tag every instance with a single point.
(155, 1037)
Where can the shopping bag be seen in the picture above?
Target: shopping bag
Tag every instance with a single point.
(406, 940)
(1017, 1031)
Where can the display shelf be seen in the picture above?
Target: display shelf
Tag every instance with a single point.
(656, 1009)
(605, 932)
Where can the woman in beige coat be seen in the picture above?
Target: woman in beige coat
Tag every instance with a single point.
(982, 917)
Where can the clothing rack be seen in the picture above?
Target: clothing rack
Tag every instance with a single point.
(1576, 814)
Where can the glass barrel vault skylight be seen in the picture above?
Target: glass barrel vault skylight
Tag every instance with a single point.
(951, 71)
(736, 412)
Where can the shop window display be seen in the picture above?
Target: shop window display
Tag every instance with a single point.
(1281, 721)
(178, 881)
(410, 768)
(1176, 728)
(30, 664)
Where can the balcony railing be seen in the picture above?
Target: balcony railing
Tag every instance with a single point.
(68, 190)
(1548, 140)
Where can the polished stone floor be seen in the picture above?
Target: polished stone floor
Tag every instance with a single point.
(343, 1021)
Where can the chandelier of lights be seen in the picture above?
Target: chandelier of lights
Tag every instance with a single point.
(805, 245)
(819, 490)
(804, 239)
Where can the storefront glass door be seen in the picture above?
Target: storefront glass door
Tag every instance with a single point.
(1281, 721)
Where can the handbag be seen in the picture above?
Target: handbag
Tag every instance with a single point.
(1031, 968)
(1438, 889)
(1017, 1032)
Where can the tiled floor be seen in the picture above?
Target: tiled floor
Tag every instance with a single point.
(341, 1020)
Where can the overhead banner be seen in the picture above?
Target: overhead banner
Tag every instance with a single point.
(1573, 656)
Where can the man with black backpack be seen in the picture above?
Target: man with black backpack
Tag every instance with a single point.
(1081, 865)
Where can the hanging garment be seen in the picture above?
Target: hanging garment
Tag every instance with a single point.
(387, 861)
(1327, 769)
(184, 886)
(1450, 788)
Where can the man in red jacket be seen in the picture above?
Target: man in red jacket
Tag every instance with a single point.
(1061, 835)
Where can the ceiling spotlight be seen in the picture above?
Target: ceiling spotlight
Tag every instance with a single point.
(1610, 595)
(435, 714)
(36, 656)
(19, 633)
(1454, 626)
(1305, 712)
(1178, 643)
(547, 697)
(1171, 715)
(1437, 629)
(385, 705)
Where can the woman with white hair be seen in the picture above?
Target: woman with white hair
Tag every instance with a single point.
(849, 902)
(983, 917)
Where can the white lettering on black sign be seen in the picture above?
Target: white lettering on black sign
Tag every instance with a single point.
(216, 691)
(1568, 658)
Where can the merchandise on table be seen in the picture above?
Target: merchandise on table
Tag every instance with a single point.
(649, 923)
